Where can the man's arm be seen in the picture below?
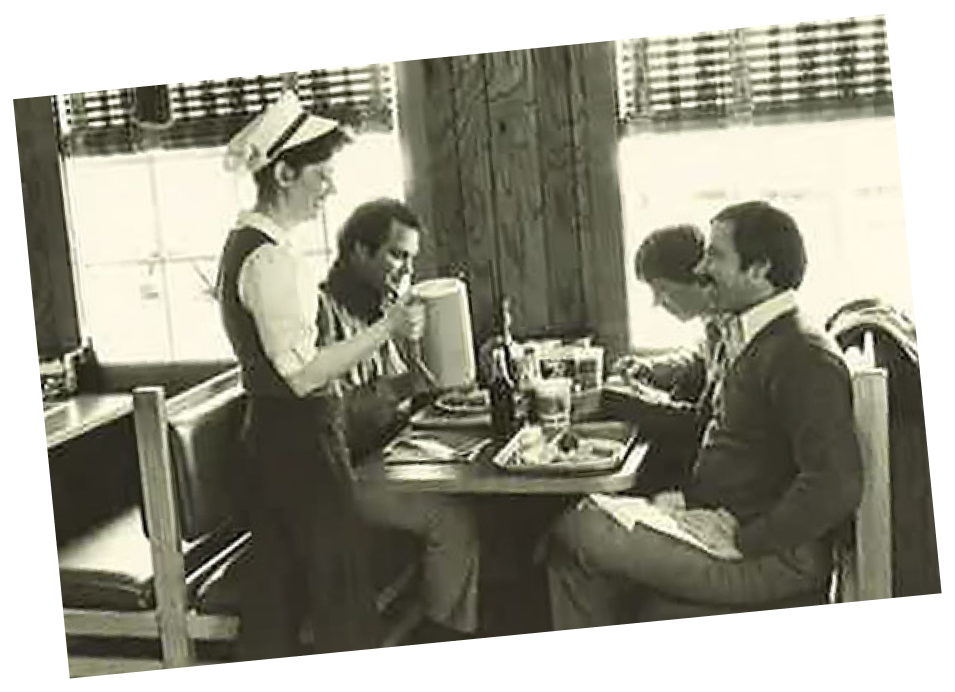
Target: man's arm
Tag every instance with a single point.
(812, 393)
(373, 414)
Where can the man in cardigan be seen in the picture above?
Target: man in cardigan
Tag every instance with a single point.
(779, 467)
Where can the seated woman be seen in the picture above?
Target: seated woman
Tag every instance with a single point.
(674, 418)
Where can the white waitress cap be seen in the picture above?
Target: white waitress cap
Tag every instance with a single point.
(281, 126)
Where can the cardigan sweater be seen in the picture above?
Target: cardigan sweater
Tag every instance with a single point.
(781, 453)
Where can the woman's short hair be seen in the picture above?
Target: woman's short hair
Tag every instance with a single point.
(670, 253)
(370, 223)
(314, 151)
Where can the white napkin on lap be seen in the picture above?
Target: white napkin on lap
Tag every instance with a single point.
(664, 518)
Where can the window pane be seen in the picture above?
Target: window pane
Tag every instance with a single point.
(197, 331)
(111, 208)
(369, 168)
(197, 202)
(653, 327)
(126, 313)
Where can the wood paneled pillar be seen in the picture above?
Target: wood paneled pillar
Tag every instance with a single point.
(51, 274)
(511, 162)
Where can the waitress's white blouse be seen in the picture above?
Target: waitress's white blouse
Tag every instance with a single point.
(277, 287)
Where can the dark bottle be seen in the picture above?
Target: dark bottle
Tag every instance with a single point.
(508, 407)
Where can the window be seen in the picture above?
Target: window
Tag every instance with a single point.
(150, 202)
(800, 115)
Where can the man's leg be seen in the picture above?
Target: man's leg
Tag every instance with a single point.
(580, 597)
(595, 557)
(451, 559)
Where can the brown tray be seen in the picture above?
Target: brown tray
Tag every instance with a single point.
(616, 438)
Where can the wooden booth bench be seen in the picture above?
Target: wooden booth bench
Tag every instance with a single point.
(168, 571)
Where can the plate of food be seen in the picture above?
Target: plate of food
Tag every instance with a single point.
(463, 403)
(571, 452)
(456, 408)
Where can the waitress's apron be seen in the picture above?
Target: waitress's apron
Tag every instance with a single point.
(309, 545)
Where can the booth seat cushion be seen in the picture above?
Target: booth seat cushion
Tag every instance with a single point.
(110, 566)
(393, 553)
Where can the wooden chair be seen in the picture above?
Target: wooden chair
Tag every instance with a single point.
(171, 574)
(864, 563)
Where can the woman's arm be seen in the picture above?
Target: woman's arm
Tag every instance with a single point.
(330, 362)
(284, 314)
(679, 371)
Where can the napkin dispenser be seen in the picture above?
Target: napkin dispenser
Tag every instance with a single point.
(447, 345)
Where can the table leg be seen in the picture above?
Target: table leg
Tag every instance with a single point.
(514, 597)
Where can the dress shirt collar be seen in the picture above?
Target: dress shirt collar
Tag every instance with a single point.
(263, 223)
(758, 317)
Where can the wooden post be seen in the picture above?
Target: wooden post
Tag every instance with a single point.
(45, 215)
(429, 149)
(514, 139)
(560, 219)
(593, 108)
(516, 174)
(162, 521)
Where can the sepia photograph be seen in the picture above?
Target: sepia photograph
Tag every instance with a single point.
(381, 365)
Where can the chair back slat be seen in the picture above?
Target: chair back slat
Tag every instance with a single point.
(162, 520)
(866, 566)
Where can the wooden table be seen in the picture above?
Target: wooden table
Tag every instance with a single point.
(80, 414)
(514, 511)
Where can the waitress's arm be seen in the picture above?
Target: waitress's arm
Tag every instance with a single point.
(333, 361)
(284, 315)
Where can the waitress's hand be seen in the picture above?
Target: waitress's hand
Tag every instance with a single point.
(405, 318)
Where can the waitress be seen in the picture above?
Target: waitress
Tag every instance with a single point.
(307, 566)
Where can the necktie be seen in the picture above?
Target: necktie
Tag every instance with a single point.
(717, 350)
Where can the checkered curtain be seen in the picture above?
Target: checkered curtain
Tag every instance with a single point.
(208, 113)
(812, 70)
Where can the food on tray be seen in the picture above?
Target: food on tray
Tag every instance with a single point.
(568, 442)
(533, 449)
(472, 402)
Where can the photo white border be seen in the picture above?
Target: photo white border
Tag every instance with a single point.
(889, 642)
